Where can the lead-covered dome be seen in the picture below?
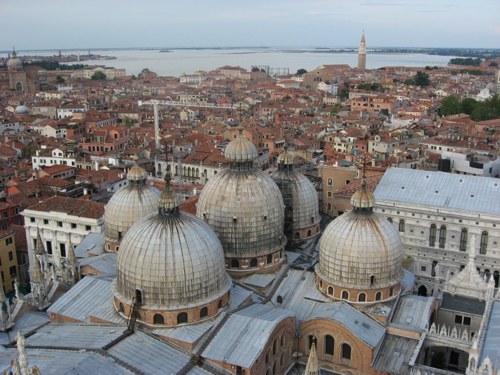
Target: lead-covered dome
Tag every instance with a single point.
(245, 208)
(173, 263)
(300, 198)
(127, 206)
(14, 63)
(360, 255)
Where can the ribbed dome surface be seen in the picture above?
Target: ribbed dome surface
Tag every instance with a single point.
(175, 259)
(241, 149)
(129, 205)
(299, 196)
(245, 209)
(358, 245)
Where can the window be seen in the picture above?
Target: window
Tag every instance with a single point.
(269, 259)
(235, 263)
(329, 344)
(346, 351)
(442, 236)
(484, 243)
(330, 290)
(378, 296)
(311, 340)
(45, 221)
(362, 297)
(330, 181)
(11, 255)
(253, 263)
(345, 294)
(464, 320)
(203, 312)
(401, 225)
(32, 219)
(391, 292)
(372, 280)
(182, 318)
(158, 319)
(62, 249)
(49, 247)
(59, 224)
(329, 194)
(389, 219)
(463, 239)
(73, 225)
(88, 227)
(8, 241)
(329, 207)
(432, 235)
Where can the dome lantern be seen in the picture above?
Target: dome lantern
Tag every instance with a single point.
(240, 152)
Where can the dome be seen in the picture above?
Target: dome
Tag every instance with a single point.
(360, 253)
(137, 173)
(300, 198)
(241, 149)
(127, 206)
(21, 110)
(244, 206)
(14, 62)
(175, 260)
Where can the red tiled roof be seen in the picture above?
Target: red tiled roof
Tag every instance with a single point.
(71, 206)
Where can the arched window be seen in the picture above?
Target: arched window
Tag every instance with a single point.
(378, 296)
(19, 86)
(329, 207)
(235, 263)
(484, 243)
(121, 307)
(311, 339)
(269, 259)
(442, 236)
(389, 219)
(391, 292)
(372, 280)
(282, 341)
(347, 182)
(279, 299)
(346, 351)
(329, 344)
(463, 239)
(182, 318)
(309, 233)
(253, 263)
(330, 181)
(203, 312)
(219, 305)
(330, 290)
(432, 235)
(361, 297)
(158, 319)
(401, 225)
(345, 294)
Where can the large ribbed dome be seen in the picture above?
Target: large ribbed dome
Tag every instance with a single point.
(361, 250)
(127, 206)
(301, 200)
(173, 258)
(245, 208)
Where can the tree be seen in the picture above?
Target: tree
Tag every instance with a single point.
(468, 105)
(409, 82)
(100, 76)
(255, 69)
(422, 79)
(451, 105)
(60, 79)
(344, 93)
(300, 72)
(493, 63)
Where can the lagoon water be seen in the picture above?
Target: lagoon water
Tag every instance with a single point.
(179, 61)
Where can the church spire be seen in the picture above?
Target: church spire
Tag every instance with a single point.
(312, 367)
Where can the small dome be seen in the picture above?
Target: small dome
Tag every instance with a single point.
(173, 258)
(21, 110)
(127, 206)
(240, 149)
(285, 159)
(14, 62)
(137, 173)
(363, 198)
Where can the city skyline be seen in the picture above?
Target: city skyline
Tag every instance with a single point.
(317, 23)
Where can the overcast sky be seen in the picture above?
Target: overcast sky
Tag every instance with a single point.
(63, 24)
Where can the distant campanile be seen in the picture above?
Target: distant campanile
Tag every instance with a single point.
(362, 53)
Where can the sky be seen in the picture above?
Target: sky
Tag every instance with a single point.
(63, 24)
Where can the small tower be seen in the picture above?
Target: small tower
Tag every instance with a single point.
(5, 317)
(312, 367)
(362, 53)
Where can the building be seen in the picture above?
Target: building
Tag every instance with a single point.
(9, 269)
(362, 53)
(61, 223)
(442, 218)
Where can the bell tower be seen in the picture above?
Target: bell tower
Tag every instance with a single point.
(362, 53)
